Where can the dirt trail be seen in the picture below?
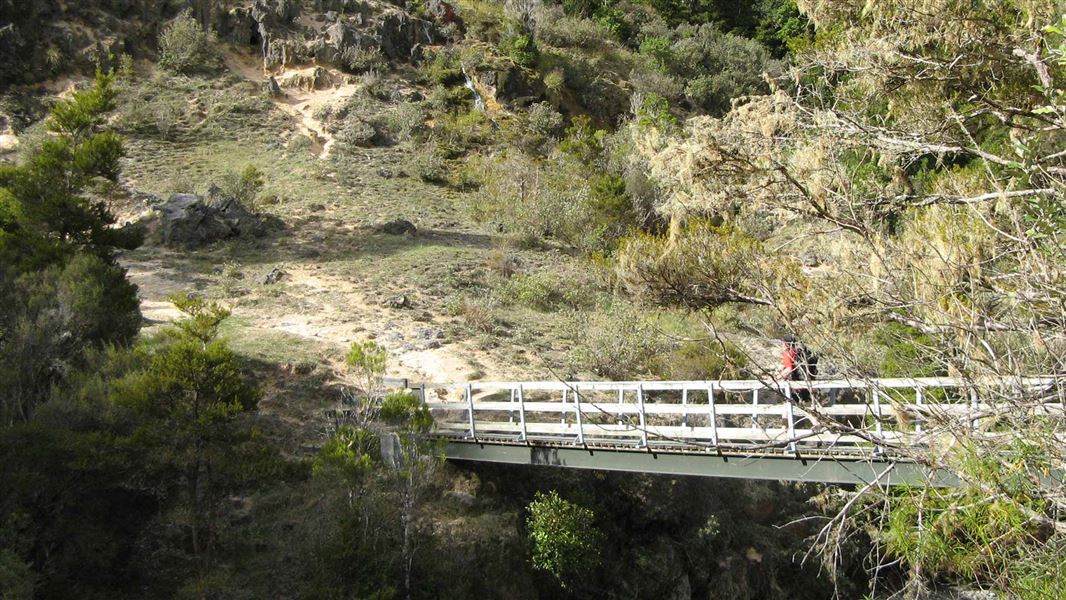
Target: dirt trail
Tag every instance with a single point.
(300, 99)
(328, 310)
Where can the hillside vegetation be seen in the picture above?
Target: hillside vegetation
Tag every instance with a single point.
(223, 224)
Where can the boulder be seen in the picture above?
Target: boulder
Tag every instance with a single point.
(274, 276)
(189, 220)
(399, 227)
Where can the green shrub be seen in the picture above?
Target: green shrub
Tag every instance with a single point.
(565, 540)
(428, 166)
(522, 50)
(658, 49)
(476, 314)
(543, 119)
(349, 452)
(537, 290)
(654, 111)
(613, 21)
(243, 187)
(698, 361)
(617, 342)
(407, 121)
(368, 360)
(184, 47)
(16, 577)
(405, 409)
(361, 60)
(570, 32)
(441, 67)
(908, 352)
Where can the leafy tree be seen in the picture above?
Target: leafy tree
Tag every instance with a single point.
(186, 401)
(565, 540)
(45, 211)
(184, 47)
(63, 291)
(368, 360)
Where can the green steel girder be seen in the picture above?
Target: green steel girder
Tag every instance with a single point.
(777, 468)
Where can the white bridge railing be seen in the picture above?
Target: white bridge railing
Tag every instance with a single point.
(838, 417)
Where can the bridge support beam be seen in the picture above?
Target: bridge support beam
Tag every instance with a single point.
(783, 468)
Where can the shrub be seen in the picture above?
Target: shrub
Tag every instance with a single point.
(658, 49)
(613, 21)
(570, 32)
(349, 452)
(406, 410)
(543, 119)
(696, 361)
(407, 121)
(184, 47)
(617, 342)
(459, 132)
(719, 66)
(428, 166)
(536, 290)
(361, 60)
(522, 50)
(565, 540)
(368, 361)
(908, 352)
(357, 132)
(243, 187)
(531, 199)
(442, 67)
(477, 314)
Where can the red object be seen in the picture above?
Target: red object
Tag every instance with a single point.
(788, 359)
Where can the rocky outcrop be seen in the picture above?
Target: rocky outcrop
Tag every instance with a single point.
(41, 39)
(333, 33)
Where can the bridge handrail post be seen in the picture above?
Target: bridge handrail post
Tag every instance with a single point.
(643, 421)
(878, 427)
(580, 424)
(470, 409)
(522, 411)
(684, 407)
(713, 415)
(919, 393)
(791, 420)
(754, 406)
(621, 402)
(510, 413)
(562, 413)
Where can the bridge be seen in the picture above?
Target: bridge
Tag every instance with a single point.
(833, 431)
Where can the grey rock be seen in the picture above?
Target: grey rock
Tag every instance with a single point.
(274, 276)
(273, 89)
(186, 220)
(189, 220)
(429, 333)
(399, 227)
(462, 499)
